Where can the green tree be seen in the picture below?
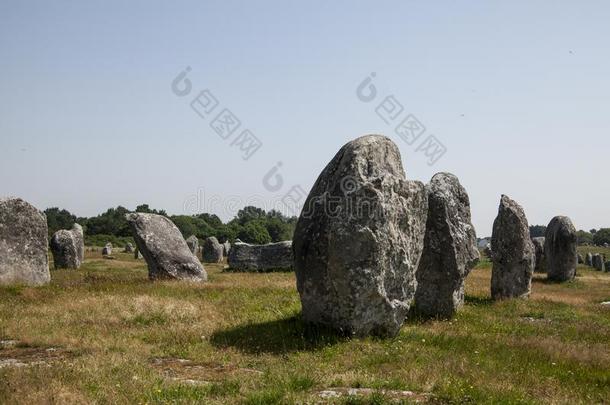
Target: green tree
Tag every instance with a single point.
(58, 219)
(537, 230)
(602, 236)
(254, 232)
(112, 222)
(584, 237)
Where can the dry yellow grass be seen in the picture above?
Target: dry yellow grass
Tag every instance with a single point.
(115, 337)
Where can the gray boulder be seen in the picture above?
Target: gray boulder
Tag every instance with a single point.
(137, 255)
(539, 251)
(560, 249)
(193, 244)
(599, 262)
(589, 259)
(226, 248)
(514, 257)
(23, 244)
(269, 257)
(580, 259)
(107, 250)
(212, 250)
(128, 248)
(68, 248)
(450, 249)
(164, 249)
(359, 239)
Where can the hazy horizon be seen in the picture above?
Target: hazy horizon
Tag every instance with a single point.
(90, 118)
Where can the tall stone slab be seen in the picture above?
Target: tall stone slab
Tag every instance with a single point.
(359, 239)
(514, 257)
(560, 249)
(450, 249)
(23, 244)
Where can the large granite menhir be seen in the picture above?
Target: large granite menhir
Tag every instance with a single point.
(513, 252)
(560, 249)
(164, 249)
(68, 248)
(359, 239)
(450, 249)
(23, 244)
(269, 257)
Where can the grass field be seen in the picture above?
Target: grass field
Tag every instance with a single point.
(105, 334)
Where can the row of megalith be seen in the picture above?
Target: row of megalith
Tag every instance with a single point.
(369, 247)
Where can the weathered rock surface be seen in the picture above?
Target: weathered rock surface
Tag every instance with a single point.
(272, 256)
(68, 248)
(580, 259)
(539, 251)
(136, 254)
(560, 249)
(514, 257)
(212, 250)
(129, 248)
(450, 249)
(226, 248)
(107, 250)
(23, 244)
(589, 259)
(164, 249)
(193, 244)
(359, 239)
(598, 262)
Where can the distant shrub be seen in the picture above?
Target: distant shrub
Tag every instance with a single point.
(101, 240)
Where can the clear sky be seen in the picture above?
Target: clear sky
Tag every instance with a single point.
(517, 92)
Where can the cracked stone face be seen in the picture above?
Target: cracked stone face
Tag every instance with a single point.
(450, 248)
(164, 249)
(23, 244)
(513, 252)
(358, 240)
(560, 249)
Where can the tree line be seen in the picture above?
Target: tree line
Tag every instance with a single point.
(597, 237)
(251, 225)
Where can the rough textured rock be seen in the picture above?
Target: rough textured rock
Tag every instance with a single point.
(539, 251)
(450, 249)
(107, 250)
(212, 250)
(272, 256)
(580, 259)
(23, 244)
(560, 249)
(68, 248)
(513, 252)
(598, 262)
(359, 239)
(193, 244)
(129, 248)
(589, 259)
(164, 249)
(226, 248)
(136, 254)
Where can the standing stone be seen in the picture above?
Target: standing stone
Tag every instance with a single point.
(212, 250)
(23, 244)
(107, 250)
(450, 249)
(269, 257)
(164, 249)
(193, 244)
(79, 240)
(598, 262)
(580, 259)
(589, 259)
(136, 254)
(359, 239)
(226, 248)
(68, 248)
(560, 249)
(539, 250)
(513, 252)
(607, 266)
(129, 248)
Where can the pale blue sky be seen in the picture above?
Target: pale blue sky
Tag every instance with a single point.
(518, 92)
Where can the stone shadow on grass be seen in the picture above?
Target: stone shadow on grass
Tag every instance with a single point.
(277, 337)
